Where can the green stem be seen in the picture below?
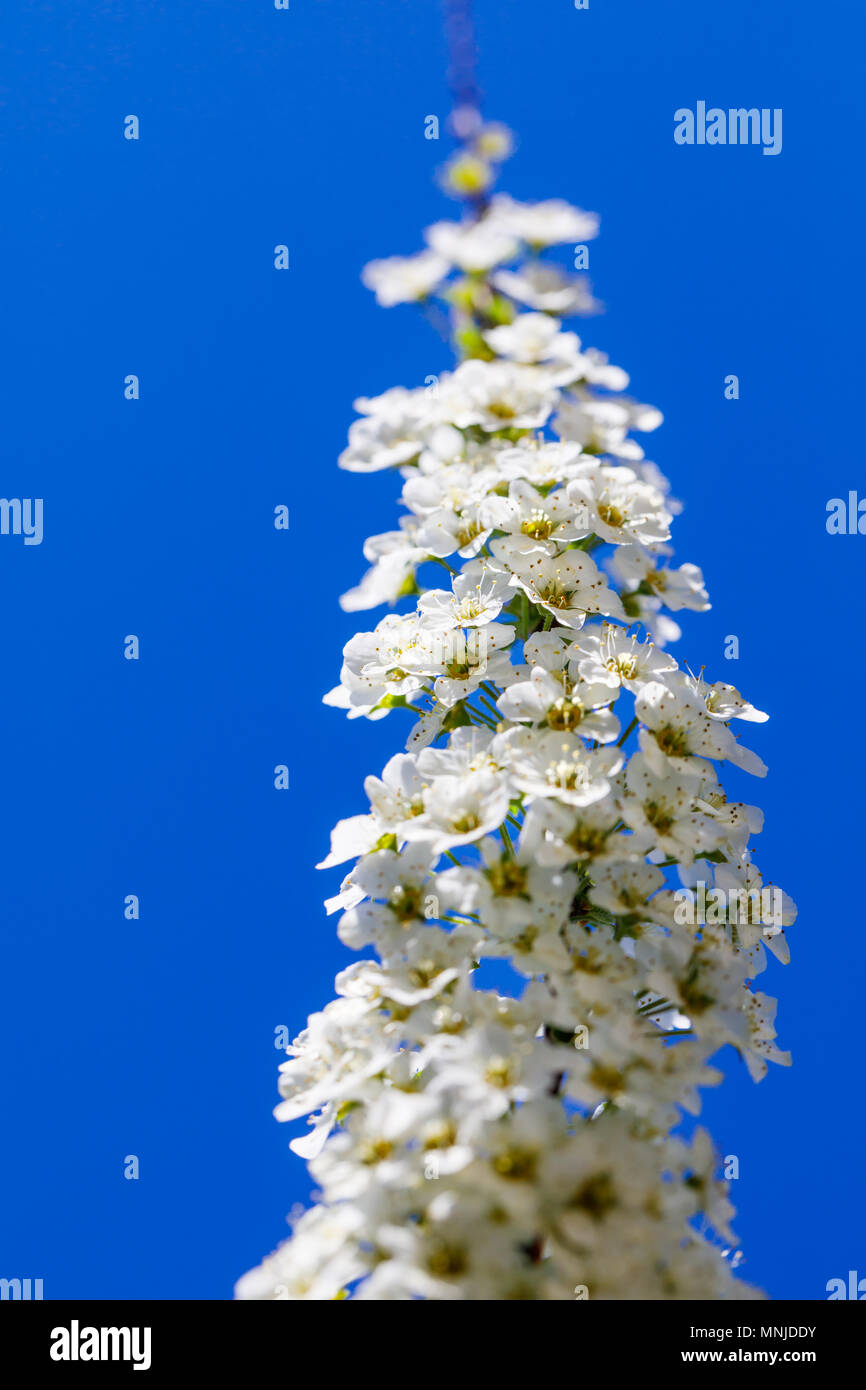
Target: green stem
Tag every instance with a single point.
(622, 738)
(437, 559)
(480, 717)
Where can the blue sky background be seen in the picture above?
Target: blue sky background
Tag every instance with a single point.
(156, 778)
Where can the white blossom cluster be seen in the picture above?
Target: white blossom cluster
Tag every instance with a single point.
(559, 791)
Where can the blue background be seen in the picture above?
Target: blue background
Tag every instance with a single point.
(155, 777)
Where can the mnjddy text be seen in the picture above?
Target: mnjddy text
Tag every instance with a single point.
(781, 1334)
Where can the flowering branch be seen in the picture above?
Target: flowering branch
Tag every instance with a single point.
(473, 1143)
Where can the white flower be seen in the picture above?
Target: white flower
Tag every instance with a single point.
(395, 557)
(725, 702)
(459, 809)
(538, 461)
(618, 507)
(337, 1051)
(610, 655)
(351, 837)
(476, 598)
(402, 279)
(536, 338)
(602, 426)
(550, 223)
(392, 431)
(510, 892)
(760, 1045)
(532, 522)
(499, 395)
(757, 913)
(625, 887)
(597, 370)
(397, 796)
(551, 763)
(662, 812)
(473, 246)
(456, 488)
(677, 728)
(573, 707)
(545, 288)
(568, 586)
(461, 661)
(382, 663)
(560, 835)
(320, 1260)
(675, 588)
